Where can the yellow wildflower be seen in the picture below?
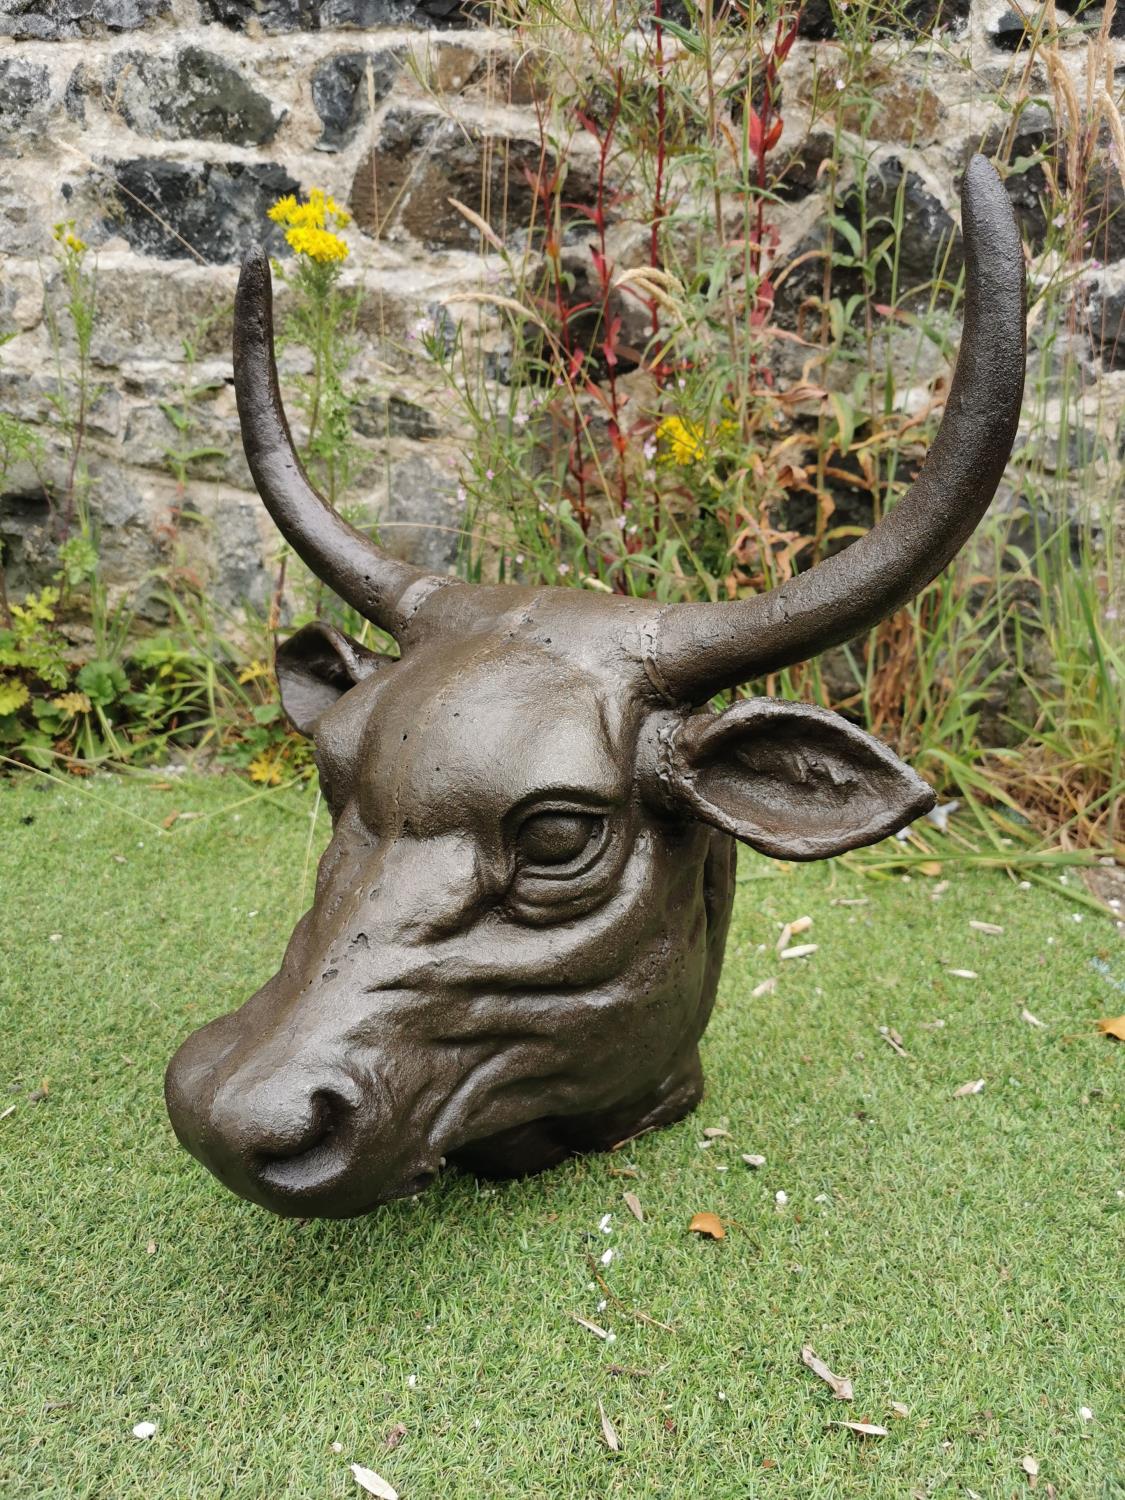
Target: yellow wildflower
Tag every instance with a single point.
(66, 237)
(282, 209)
(310, 227)
(265, 769)
(684, 439)
(255, 670)
(318, 244)
(72, 703)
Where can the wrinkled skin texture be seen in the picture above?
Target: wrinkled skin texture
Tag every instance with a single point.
(518, 926)
(455, 992)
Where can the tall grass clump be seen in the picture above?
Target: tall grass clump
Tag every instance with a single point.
(694, 410)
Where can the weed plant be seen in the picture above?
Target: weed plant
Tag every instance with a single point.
(689, 409)
(673, 426)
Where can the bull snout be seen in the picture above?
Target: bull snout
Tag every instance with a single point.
(298, 1138)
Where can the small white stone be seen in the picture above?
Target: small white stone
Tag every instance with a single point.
(337, 1447)
(1086, 1414)
(781, 1198)
(822, 1198)
(144, 1430)
(607, 1257)
(56, 937)
(412, 1381)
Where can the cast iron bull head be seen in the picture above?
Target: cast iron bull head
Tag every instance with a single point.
(519, 922)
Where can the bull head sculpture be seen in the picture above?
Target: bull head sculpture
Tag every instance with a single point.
(519, 922)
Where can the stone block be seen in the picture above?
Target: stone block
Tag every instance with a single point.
(55, 20)
(908, 267)
(818, 23)
(25, 87)
(340, 93)
(1107, 327)
(423, 516)
(1024, 147)
(218, 209)
(423, 160)
(329, 15)
(378, 416)
(194, 94)
(145, 311)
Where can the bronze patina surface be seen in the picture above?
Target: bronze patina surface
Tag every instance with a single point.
(519, 922)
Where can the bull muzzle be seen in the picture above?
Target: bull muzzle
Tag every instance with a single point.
(299, 1136)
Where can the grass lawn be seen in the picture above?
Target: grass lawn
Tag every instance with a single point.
(962, 1256)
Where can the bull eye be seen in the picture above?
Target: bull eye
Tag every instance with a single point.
(555, 838)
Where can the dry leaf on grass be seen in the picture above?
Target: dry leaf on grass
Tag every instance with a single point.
(963, 973)
(766, 987)
(1113, 1026)
(900, 1408)
(840, 1384)
(974, 1087)
(791, 930)
(992, 928)
(709, 1225)
(1025, 1015)
(802, 950)
(930, 867)
(609, 1431)
(1031, 1468)
(633, 1204)
(893, 1040)
(395, 1436)
(602, 1333)
(714, 1133)
(373, 1483)
(753, 1160)
(865, 1429)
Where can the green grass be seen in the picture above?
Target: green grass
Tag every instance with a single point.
(966, 1259)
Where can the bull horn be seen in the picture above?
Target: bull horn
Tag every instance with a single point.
(698, 649)
(349, 562)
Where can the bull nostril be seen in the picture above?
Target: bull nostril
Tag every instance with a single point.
(325, 1108)
(314, 1152)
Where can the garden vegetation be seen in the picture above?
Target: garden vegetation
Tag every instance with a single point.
(684, 413)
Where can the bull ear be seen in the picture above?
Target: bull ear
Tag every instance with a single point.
(316, 667)
(791, 780)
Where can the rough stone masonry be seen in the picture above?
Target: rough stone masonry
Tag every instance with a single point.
(165, 128)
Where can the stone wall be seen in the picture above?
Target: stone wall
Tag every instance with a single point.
(165, 128)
